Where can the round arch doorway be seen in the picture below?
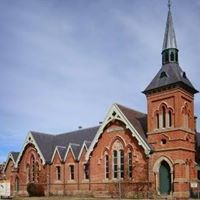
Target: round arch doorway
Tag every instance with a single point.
(165, 178)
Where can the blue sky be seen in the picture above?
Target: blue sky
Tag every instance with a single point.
(63, 62)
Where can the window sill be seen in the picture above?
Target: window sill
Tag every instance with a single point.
(71, 181)
(85, 180)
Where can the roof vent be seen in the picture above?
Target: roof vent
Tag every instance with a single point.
(163, 74)
(184, 75)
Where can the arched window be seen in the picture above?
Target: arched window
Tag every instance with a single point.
(118, 164)
(115, 164)
(166, 57)
(163, 117)
(170, 118)
(27, 173)
(58, 173)
(176, 56)
(172, 56)
(130, 166)
(157, 121)
(121, 163)
(106, 166)
(186, 116)
(32, 168)
(17, 184)
(186, 121)
(118, 159)
(37, 172)
(86, 171)
(72, 172)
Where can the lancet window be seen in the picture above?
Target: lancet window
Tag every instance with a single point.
(164, 117)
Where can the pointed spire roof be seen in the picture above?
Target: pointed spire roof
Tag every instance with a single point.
(170, 74)
(169, 37)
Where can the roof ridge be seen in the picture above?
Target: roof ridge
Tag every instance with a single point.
(77, 130)
(86, 141)
(61, 146)
(131, 109)
(74, 144)
(36, 132)
(14, 152)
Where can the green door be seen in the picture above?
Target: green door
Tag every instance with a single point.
(165, 178)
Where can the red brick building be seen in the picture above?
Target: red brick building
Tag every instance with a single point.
(153, 153)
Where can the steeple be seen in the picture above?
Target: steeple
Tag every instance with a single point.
(169, 50)
(170, 74)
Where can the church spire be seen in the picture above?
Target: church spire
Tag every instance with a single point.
(170, 49)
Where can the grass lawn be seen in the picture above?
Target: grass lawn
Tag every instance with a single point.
(56, 198)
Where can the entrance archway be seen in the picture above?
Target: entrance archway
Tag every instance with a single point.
(164, 178)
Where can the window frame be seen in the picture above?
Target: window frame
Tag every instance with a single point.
(118, 163)
(86, 171)
(72, 172)
(130, 164)
(58, 172)
(107, 169)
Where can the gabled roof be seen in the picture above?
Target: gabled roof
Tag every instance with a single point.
(76, 150)
(86, 145)
(14, 155)
(62, 151)
(76, 137)
(135, 121)
(170, 74)
(11, 156)
(46, 143)
(73, 148)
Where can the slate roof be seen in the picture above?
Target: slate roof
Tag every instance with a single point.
(62, 151)
(169, 37)
(14, 155)
(137, 119)
(47, 142)
(87, 143)
(170, 74)
(76, 150)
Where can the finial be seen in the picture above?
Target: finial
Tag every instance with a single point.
(169, 4)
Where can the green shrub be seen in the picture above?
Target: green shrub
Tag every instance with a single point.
(35, 190)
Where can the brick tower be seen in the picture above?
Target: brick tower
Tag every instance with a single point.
(171, 123)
